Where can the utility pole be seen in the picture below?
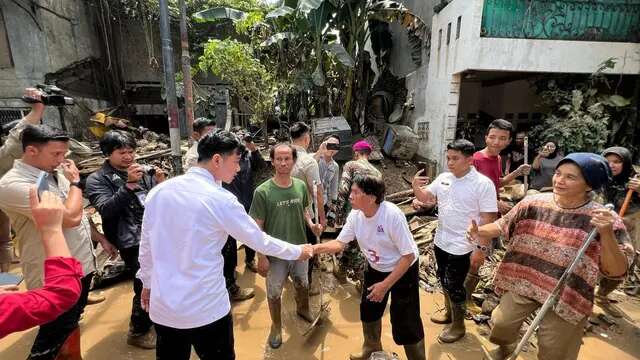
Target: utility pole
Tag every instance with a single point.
(170, 87)
(186, 68)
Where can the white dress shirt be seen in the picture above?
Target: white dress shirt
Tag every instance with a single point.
(186, 223)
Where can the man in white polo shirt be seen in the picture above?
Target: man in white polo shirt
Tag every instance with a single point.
(462, 195)
(186, 223)
(386, 242)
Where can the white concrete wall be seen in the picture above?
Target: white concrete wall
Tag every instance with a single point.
(497, 54)
(472, 52)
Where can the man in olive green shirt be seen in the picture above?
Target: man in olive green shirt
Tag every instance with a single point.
(279, 207)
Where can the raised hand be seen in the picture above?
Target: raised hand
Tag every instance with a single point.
(472, 232)
(603, 219)
(70, 170)
(419, 180)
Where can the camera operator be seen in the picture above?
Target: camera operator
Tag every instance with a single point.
(118, 191)
(10, 151)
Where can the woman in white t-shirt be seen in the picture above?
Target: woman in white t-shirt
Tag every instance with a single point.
(386, 242)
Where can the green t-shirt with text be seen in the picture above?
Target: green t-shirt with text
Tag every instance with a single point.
(282, 210)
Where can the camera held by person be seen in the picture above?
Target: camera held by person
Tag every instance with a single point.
(52, 96)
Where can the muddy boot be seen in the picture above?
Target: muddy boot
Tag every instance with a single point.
(237, 293)
(251, 265)
(456, 330)
(302, 303)
(143, 341)
(275, 335)
(605, 288)
(95, 297)
(470, 284)
(501, 353)
(341, 274)
(70, 350)
(372, 332)
(443, 317)
(415, 351)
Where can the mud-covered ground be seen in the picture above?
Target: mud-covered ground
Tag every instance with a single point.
(104, 328)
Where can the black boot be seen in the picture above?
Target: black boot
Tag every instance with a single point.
(456, 330)
(415, 351)
(372, 332)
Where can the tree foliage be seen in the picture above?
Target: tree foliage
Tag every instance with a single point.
(234, 62)
(585, 114)
(151, 8)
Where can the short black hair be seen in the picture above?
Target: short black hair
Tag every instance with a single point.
(298, 129)
(371, 185)
(41, 134)
(116, 139)
(220, 142)
(294, 152)
(500, 124)
(466, 147)
(200, 123)
(332, 136)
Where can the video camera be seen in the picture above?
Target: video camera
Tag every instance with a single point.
(53, 96)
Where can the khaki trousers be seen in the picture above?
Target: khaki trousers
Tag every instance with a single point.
(557, 338)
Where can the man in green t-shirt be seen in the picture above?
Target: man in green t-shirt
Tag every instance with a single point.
(279, 207)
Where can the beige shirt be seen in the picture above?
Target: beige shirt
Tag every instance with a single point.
(14, 201)
(306, 169)
(12, 148)
(191, 157)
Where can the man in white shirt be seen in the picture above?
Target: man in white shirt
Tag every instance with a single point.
(462, 195)
(186, 223)
(386, 242)
(201, 127)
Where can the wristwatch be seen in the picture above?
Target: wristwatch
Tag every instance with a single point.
(484, 249)
(76, 184)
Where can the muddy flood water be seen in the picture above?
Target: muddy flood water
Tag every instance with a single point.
(104, 329)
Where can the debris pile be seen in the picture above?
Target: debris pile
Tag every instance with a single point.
(153, 149)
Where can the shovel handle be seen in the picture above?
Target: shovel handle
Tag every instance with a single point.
(625, 204)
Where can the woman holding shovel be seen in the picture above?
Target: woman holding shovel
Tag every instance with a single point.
(544, 233)
(622, 192)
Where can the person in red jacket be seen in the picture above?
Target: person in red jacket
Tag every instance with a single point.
(23, 310)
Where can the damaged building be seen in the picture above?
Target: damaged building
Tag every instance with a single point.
(103, 59)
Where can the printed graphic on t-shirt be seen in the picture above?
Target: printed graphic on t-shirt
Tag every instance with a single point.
(373, 256)
(289, 202)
